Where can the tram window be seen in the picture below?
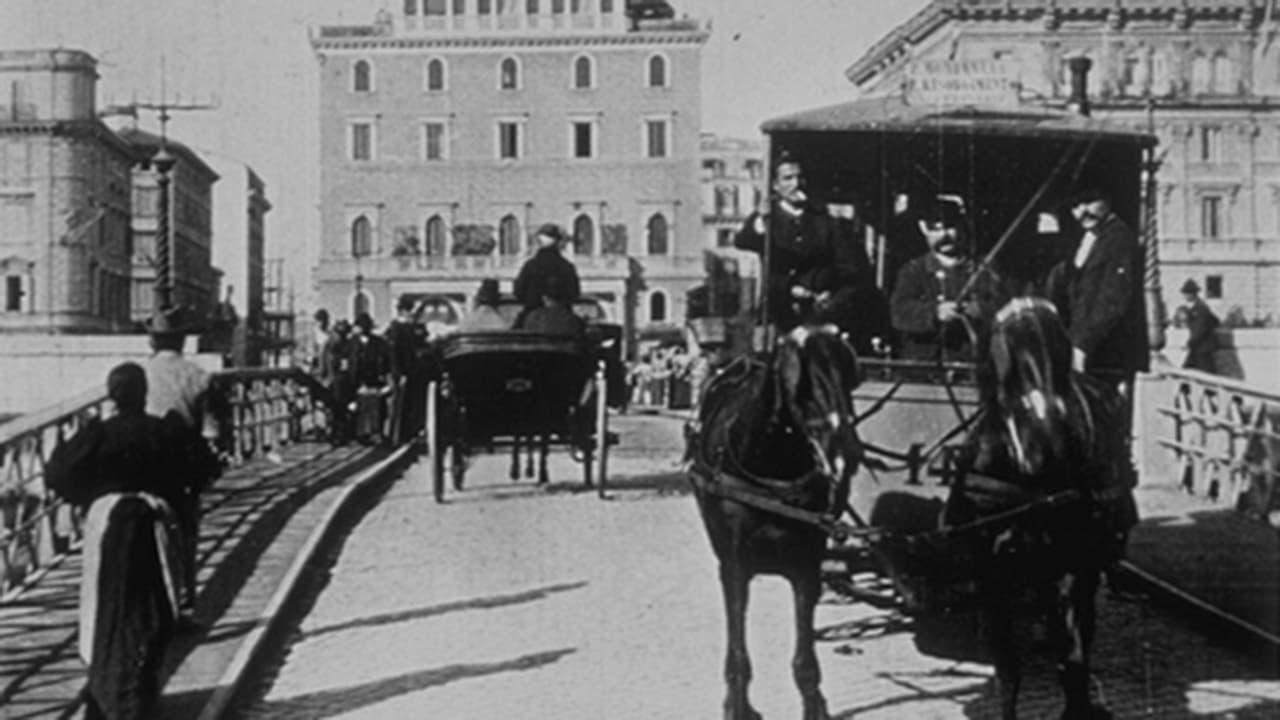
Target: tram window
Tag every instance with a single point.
(1213, 287)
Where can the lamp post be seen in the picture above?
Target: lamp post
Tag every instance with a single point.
(163, 163)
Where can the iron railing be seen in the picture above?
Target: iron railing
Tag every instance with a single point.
(256, 412)
(1213, 434)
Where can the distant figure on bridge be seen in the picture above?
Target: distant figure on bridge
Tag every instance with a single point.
(1202, 329)
(936, 322)
(132, 472)
(407, 338)
(177, 385)
(531, 283)
(484, 316)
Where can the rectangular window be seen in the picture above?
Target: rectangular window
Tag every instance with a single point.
(1213, 287)
(13, 293)
(1211, 216)
(508, 140)
(531, 7)
(606, 6)
(459, 7)
(484, 7)
(655, 138)
(1210, 138)
(433, 141)
(434, 7)
(361, 141)
(724, 238)
(410, 7)
(557, 7)
(583, 140)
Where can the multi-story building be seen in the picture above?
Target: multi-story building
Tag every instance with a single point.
(452, 130)
(1204, 76)
(240, 207)
(64, 198)
(733, 186)
(193, 277)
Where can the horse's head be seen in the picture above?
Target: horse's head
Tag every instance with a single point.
(815, 372)
(1030, 381)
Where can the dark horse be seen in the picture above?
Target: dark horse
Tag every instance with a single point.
(1053, 441)
(778, 427)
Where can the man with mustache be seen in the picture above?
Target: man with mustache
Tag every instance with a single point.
(927, 308)
(1098, 292)
(803, 241)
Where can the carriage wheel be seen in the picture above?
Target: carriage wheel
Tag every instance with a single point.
(602, 430)
(435, 446)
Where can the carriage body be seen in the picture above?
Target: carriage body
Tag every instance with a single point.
(872, 160)
(505, 387)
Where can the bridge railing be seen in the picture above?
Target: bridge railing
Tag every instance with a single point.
(1213, 436)
(257, 410)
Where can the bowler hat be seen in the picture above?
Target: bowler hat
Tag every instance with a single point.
(942, 210)
(552, 231)
(1191, 287)
(364, 321)
(1090, 193)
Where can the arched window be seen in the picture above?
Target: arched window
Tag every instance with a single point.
(435, 74)
(509, 235)
(1201, 75)
(361, 303)
(584, 236)
(657, 306)
(361, 237)
(1222, 75)
(362, 76)
(582, 72)
(656, 72)
(509, 74)
(657, 234)
(434, 233)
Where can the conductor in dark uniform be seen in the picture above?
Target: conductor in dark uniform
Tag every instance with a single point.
(530, 285)
(1098, 292)
(809, 257)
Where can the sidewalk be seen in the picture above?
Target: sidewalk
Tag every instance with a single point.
(257, 519)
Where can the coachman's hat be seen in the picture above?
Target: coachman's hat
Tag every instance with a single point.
(552, 231)
(1190, 287)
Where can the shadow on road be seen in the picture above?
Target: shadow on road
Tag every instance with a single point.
(341, 700)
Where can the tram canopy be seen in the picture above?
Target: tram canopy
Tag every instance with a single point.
(1015, 170)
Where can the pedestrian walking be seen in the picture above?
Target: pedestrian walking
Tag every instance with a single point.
(1202, 329)
(370, 358)
(407, 340)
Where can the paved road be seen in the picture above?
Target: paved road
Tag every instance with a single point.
(515, 602)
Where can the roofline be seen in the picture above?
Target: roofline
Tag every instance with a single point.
(938, 12)
(150, 140)
(692, 37)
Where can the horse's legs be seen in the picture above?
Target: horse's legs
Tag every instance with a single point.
(806, 587)
(734, 583)
(997, 604)
(543, 443)
(1075, 619)
(514, 473)
(530, 448)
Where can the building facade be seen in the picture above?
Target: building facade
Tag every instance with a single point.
(240, 207)
(193, 277)
(452, 130)
(64, 198)
(1204, 77)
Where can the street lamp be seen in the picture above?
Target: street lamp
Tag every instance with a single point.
(163, 163)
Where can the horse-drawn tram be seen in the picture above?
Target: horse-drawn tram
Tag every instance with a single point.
(984, 470)
(523, 390)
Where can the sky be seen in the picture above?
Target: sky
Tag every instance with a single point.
(251, 59)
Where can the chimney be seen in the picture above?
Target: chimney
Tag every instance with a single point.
(1079, 100)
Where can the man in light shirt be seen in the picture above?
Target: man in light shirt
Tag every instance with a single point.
(175, 384)
(1098, 292)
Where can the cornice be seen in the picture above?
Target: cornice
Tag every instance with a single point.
(685, 37)
(93, 129)
(1111, 16)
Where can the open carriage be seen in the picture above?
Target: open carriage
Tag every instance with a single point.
(512, 388)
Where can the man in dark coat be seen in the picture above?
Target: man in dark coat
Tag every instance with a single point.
(407, 337)
(531, 283)
(928, 308)
(803, 241)
(371, 370)
(1202, 329)
(1098, 292)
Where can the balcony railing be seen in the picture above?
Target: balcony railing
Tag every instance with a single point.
(258, 410)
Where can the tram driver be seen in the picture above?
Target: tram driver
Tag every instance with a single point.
(935, 307)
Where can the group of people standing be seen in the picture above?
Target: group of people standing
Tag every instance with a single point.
(943, 301)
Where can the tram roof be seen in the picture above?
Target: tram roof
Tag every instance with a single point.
(893, 114)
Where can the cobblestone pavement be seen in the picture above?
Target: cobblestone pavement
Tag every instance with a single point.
(509, 601)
